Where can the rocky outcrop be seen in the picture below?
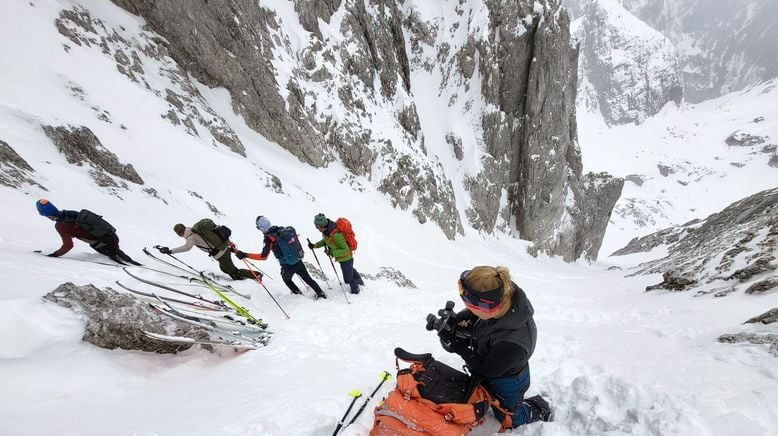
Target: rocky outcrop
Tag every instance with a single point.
(15, 172)
(744, 139)
(553, 203)
(768, 317)
(412, 182)
(770, 340)
(736, 246)
(230, 45)
(631, 69)
(116, 320)
(592, 214)
(393, 275)
(135, 59)
(80, 146)
(673, 282)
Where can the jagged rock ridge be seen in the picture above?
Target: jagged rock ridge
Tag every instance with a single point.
(731, 250)
(628, 70)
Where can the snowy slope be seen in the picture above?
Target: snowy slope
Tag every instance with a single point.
(678, 165)
(612, 359)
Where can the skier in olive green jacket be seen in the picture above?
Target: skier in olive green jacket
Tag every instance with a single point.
(339, 249)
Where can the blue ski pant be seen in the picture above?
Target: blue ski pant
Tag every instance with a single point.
(509, 391)
(351, 275)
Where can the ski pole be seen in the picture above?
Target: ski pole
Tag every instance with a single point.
(81, 260)
(317, 261)
(384, 377)
(338, 277)
(256, 277)
(182, 262)
(355, 394)
(264, 274)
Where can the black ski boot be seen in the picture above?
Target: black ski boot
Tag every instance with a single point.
(539, 409)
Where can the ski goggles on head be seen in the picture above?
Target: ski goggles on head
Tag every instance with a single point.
(485, 301)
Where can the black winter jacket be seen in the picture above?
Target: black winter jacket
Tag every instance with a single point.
(502, 347)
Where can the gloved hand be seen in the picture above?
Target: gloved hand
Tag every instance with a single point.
(480, 408)
(240, 255)
(164, 250)
(327, 250)
(214, 252)
(310, 245)
(465, 319)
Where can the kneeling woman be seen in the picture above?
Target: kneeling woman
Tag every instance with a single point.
(504, 335)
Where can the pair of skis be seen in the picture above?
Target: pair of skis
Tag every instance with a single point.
(355, 394)
(221, 334)
(219, 290)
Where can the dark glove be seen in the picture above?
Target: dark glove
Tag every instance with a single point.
(52, 255)
(164, 250)
(214, 252)
(465, 319)
(455, 345)
(240, 255)
(310, 245)
(480, 408)
(328, 251)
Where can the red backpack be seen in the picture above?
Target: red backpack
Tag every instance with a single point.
(344, 226)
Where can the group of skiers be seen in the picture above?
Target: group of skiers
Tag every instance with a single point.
(283, 242)
(498, 314)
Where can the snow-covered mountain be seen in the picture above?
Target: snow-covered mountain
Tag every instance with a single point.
(349, 81)
(100, 109)
(627, 70)
(721, 46)
(724, 46)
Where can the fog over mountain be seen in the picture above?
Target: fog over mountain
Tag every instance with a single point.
(722, 46)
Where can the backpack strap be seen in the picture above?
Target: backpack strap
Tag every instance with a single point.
(410, 357)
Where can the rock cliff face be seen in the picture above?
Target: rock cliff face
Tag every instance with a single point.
(629, 71)
(332, 79)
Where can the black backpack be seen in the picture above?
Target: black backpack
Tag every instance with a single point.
(94, 224)
(217, 237)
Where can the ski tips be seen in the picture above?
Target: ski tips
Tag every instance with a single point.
(355, 393)
(385, 375)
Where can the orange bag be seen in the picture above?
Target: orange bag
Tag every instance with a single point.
(432, 398)
(344, 226)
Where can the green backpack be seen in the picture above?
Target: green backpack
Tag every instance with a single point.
(217, 237)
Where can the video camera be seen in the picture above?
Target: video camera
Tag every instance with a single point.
(447, 327)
